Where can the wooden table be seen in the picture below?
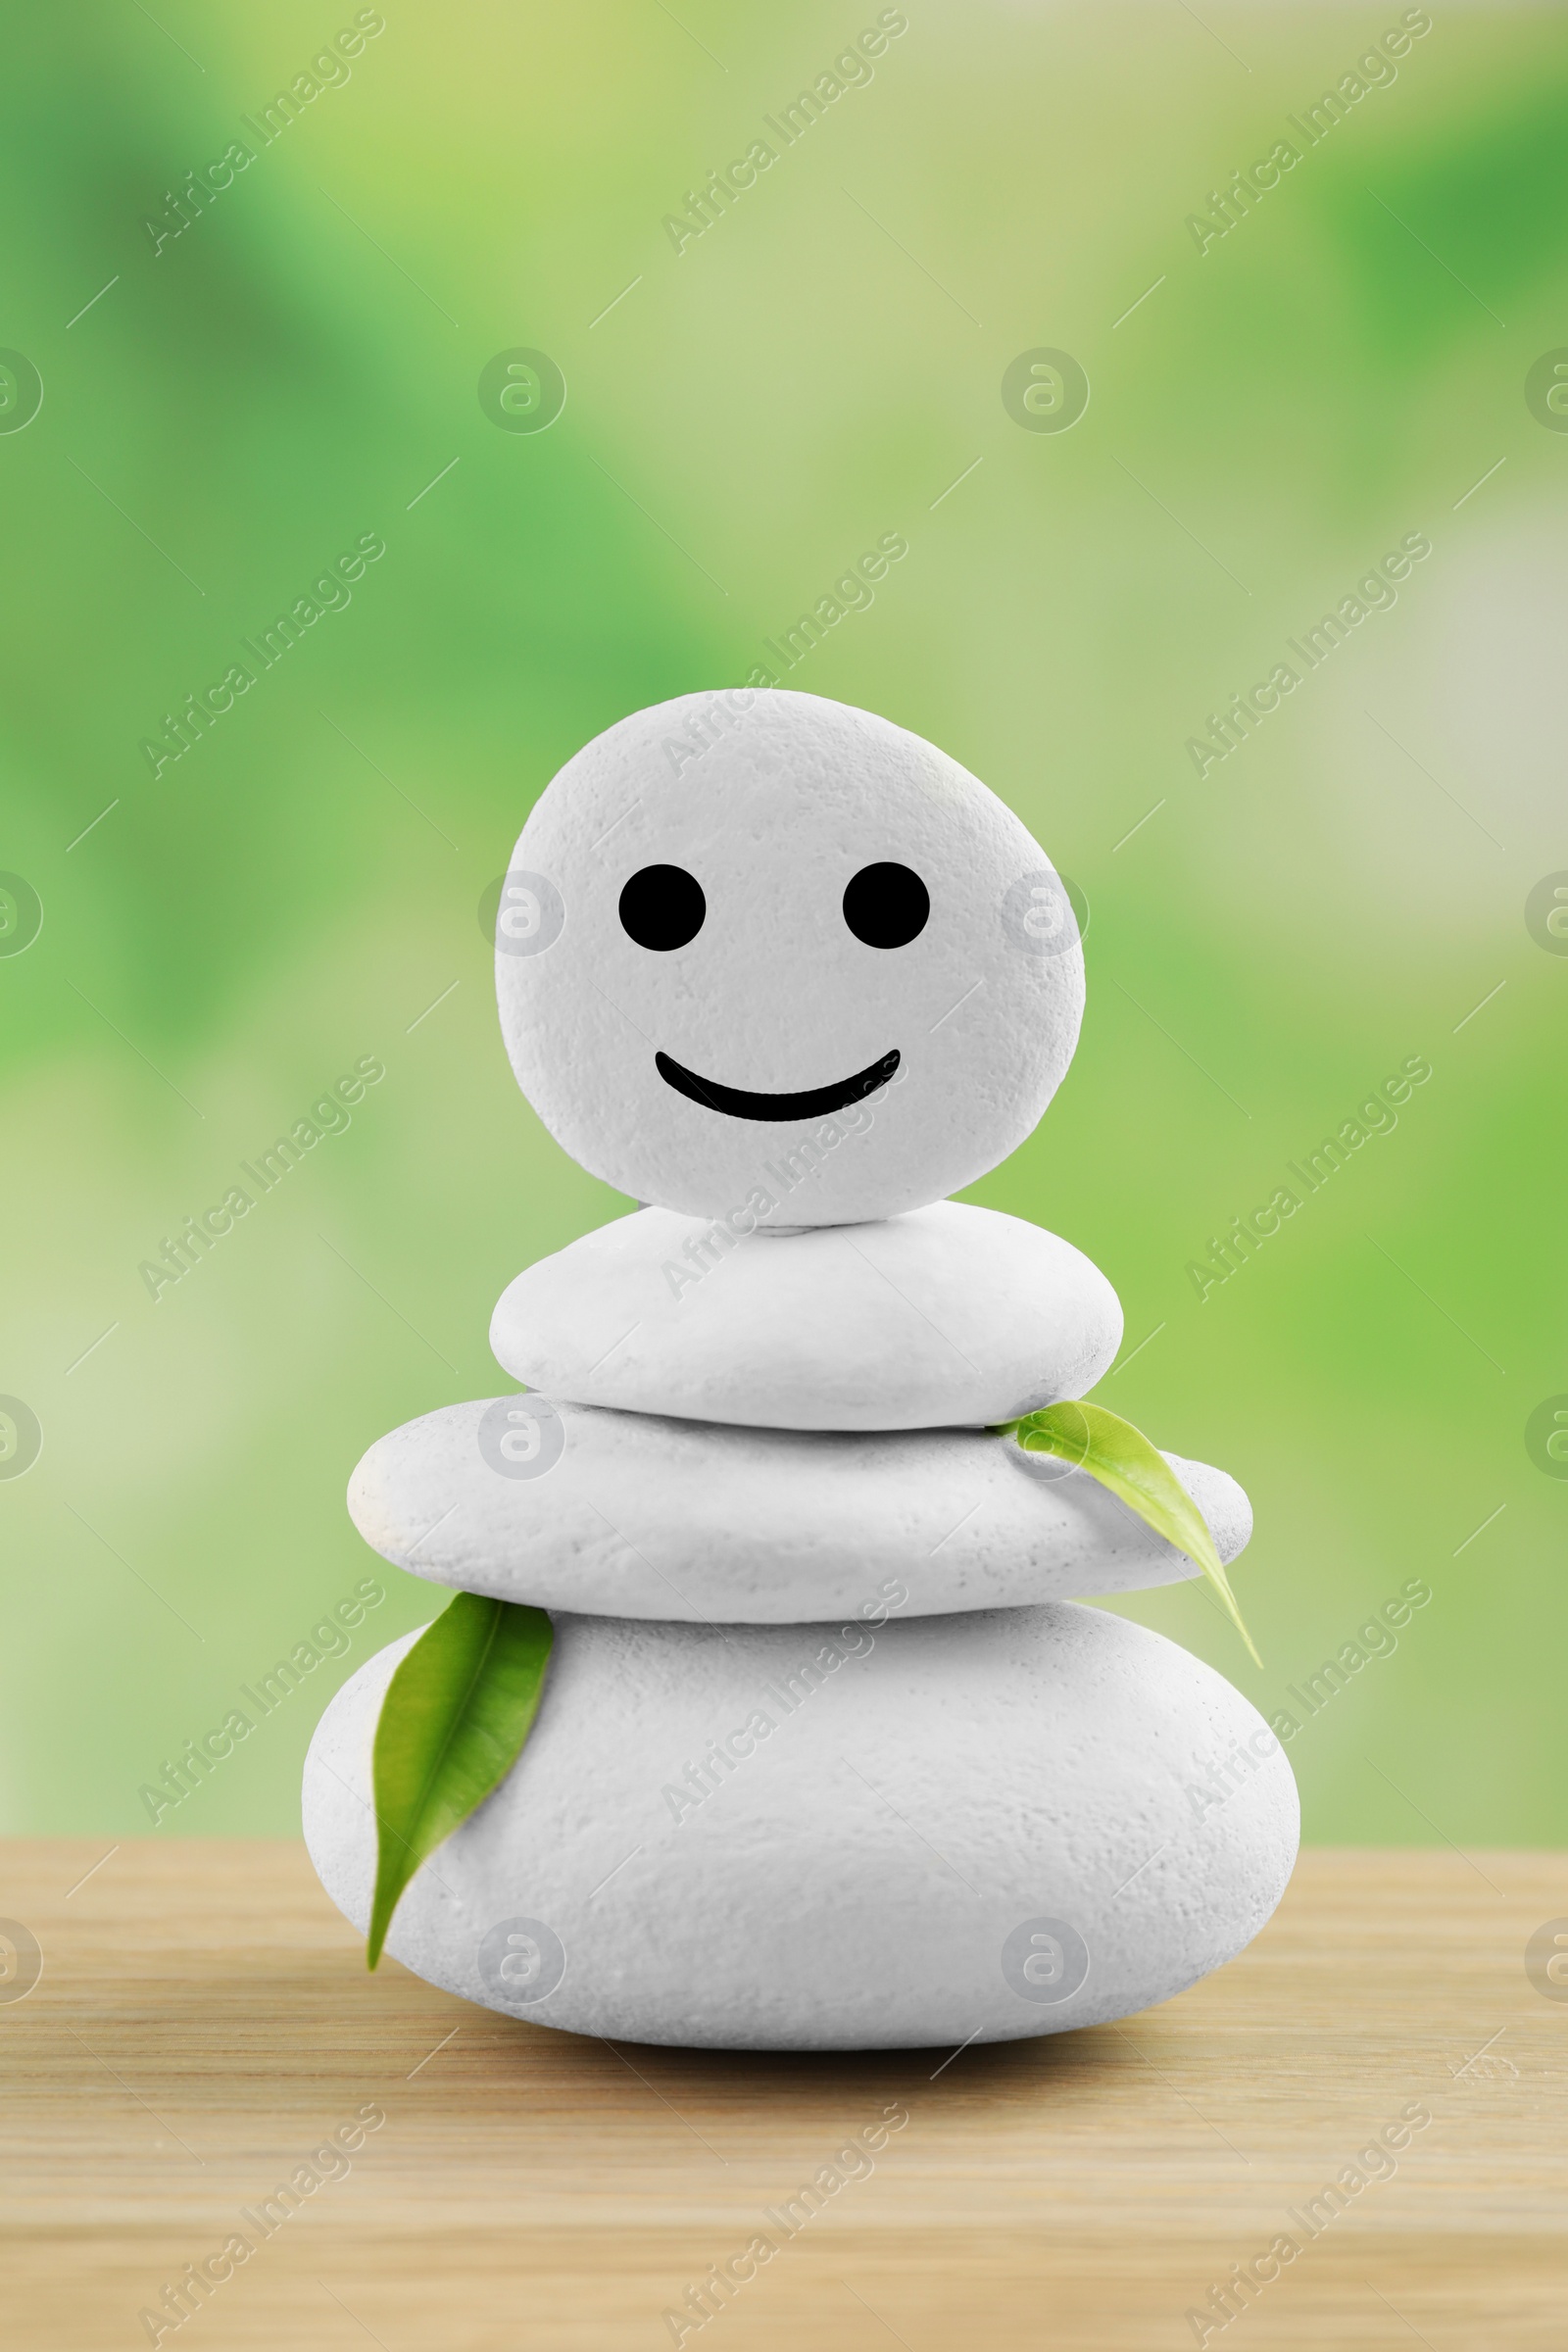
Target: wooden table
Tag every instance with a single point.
(203, 2020)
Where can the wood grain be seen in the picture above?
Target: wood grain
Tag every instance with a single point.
(204, 2019)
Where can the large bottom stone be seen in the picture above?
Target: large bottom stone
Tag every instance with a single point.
(820, 1838)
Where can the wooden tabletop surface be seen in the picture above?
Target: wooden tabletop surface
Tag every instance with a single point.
(203, 2022)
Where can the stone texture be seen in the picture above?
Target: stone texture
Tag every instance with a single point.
(773, 802)
(993, 1826)
(634, 1515)
(947, 1316)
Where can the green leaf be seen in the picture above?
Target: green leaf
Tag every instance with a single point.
(452, 1724)
(1138, 1474)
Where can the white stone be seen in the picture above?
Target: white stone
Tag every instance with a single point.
(949, 1315)
(773, 802)
(634, 1515)
(962, 1828)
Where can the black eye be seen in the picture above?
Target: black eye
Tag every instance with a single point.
(662, 907)
(887, 905)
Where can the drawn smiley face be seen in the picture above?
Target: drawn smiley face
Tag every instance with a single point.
(759, 950)
(662, 907)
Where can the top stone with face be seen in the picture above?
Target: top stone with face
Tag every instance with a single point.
(769, 959)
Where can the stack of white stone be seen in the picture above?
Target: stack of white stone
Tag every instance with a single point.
(829, 1754)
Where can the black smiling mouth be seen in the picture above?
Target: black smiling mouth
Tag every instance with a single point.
(817, 1103)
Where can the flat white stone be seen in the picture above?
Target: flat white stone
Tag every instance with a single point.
(950, 1828)
(946, 1316)
(634, 1515)
(664, 1067)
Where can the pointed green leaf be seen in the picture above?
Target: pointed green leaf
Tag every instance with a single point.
(1122, 1458)
(452, 1724)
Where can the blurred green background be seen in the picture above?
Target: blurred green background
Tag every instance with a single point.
(222, 415)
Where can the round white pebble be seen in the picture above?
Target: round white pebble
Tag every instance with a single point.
(569, 1506)
(946, 1316)
(732, 918)
(805, 1837)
